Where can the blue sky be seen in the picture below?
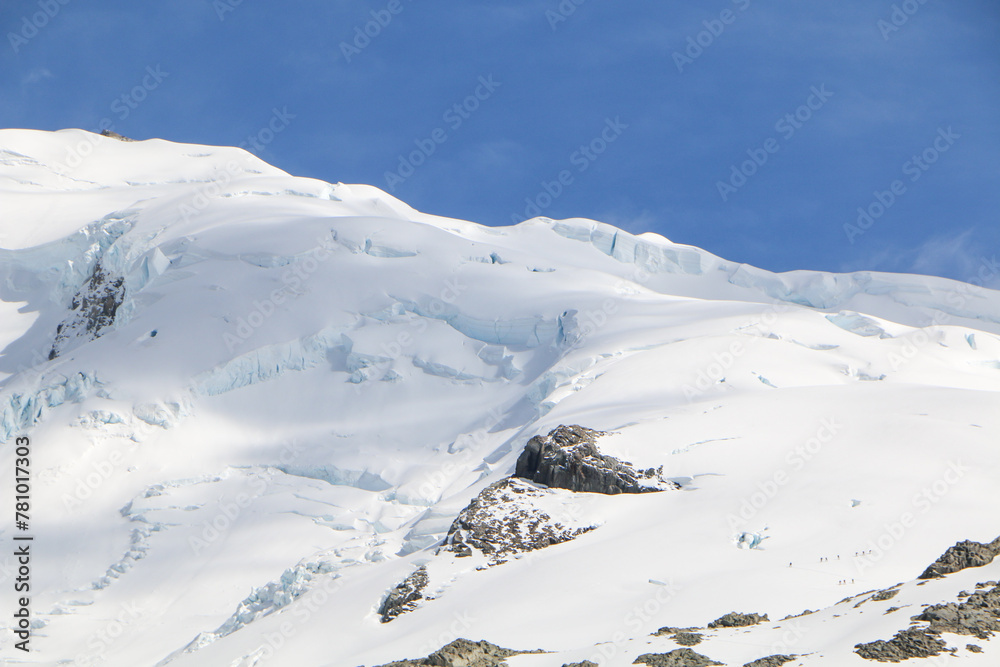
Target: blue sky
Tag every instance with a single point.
(754, 130)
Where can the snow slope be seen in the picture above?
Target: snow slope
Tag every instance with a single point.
(268, 406)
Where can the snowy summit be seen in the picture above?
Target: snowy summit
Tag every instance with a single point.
(269, 420)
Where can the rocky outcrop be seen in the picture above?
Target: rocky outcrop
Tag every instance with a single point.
(404, 597)
(502, 521)
(961, 556)
(670, 630)
(585, 663)
(682, 657)
(111, 134)
(687, 638)
(771, 661)
(735, 620)
(463, 653)
(884, 595)
(906, 644)
(877, 596)
(979, 615)
(568, 458)
(94, 308)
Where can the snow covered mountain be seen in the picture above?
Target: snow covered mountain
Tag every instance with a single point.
(274, 421)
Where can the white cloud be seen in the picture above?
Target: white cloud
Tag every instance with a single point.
(959, 257)
(38, 74)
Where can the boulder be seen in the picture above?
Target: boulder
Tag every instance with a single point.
(682, 657)
(906, 644)
(735, 620)
(404, 596)
(463, 653)
(568, 458)
(111, 134)
(771, 661)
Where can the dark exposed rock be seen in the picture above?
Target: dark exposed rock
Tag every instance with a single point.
(973, 648)
(463, 653)
(669, 630)
(877, 596)
(585, 663)
(771, 661)
(979, 615)
(502, 521)
(682, 657)
(114, 135)
(886, 594)
(94, 308)
(960, 620)
(735, 620)
(909, 643)
(687, 638)
(961, 556)
(568, 458)
(404, 597)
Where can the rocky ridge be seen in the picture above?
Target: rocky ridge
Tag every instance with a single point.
(463, 653)
(502, 521)
(93, 310)
(978, 615)
(405, 596)
(961, 556)
(568, 458)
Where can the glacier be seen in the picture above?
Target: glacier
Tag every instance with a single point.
(304, 383)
